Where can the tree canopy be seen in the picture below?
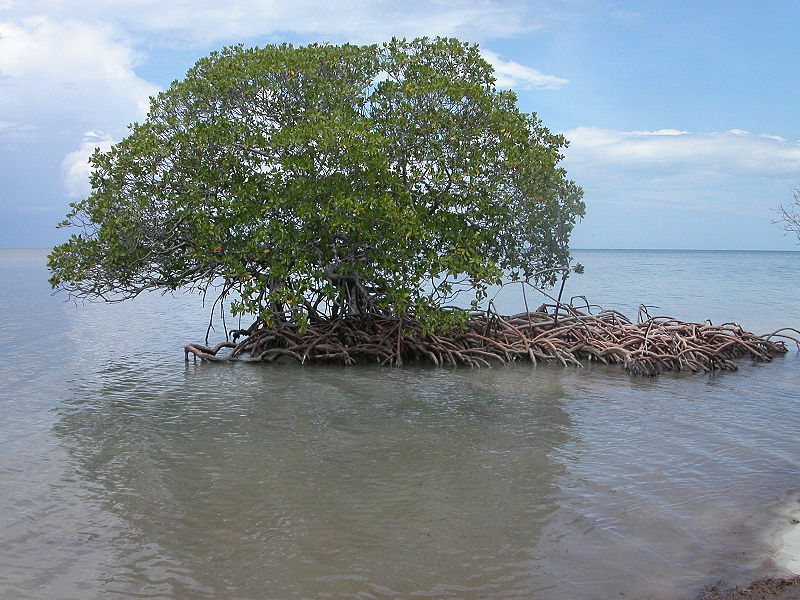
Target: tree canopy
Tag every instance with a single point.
(320, 181)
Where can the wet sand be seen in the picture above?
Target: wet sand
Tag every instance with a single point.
(787, 556)
(766, 589)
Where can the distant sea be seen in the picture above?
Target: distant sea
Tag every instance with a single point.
(127, 472)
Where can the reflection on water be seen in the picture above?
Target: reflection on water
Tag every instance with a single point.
(323, 480)
(128, 473)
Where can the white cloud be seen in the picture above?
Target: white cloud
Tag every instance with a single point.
(12, 128)
(61, 78)
(75, 166)
(12, 135)
(669, 151)
(68, 67)
(511, 74)
(674, 176)
(58, 71)
(201, 22)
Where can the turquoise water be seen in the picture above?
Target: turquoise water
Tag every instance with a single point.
(127, 472)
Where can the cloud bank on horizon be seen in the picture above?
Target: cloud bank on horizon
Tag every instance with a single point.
(74, 74)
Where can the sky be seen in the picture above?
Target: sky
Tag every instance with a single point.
(683, 116)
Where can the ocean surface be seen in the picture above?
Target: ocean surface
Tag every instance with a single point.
(126, 472)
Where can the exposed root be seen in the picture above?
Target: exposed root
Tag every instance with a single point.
(656, 345)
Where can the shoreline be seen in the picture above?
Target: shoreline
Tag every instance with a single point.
(786, 557)
(763, 589)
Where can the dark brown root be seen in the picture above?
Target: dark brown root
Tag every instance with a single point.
(656, 345)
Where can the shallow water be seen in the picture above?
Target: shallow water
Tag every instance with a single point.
(127, 472)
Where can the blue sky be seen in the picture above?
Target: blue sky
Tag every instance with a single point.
(683, 117)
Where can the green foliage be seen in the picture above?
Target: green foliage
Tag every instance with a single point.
(325, 180)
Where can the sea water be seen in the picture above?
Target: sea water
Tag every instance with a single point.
(126, 472)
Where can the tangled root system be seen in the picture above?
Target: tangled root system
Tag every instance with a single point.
(647, 348)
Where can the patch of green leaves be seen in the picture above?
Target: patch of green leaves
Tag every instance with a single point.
(326, 179)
